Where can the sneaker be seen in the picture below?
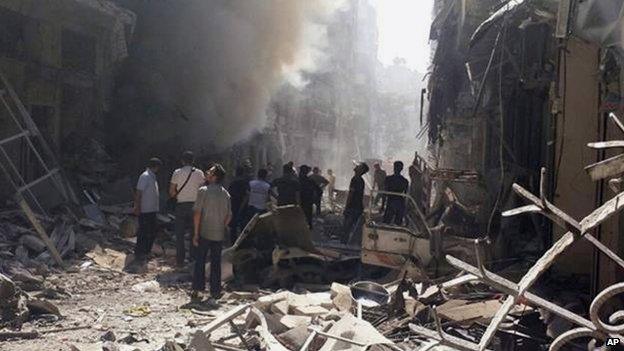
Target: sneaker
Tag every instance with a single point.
(216, 296)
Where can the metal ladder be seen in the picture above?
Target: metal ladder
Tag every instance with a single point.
(31, 140)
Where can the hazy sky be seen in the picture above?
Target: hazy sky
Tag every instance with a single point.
(404, 31)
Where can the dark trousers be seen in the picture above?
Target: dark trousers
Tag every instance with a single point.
(146, 234)
(250, 212)
(307, 211)
(237, 219)
(317, 203)
(199, 274)
(395, 211)
(183, 224)
(351, 218)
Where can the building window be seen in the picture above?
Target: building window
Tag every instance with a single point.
(78, 51)
(12, 26)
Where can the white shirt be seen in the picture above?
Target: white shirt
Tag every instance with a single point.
(148, 186)
(259, 194)
(189, 192)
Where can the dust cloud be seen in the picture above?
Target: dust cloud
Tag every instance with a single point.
(223, 59)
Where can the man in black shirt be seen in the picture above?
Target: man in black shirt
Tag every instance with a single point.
(288, 187)
(321, 182)
(309, 193)
(395, 205)
(355, 201)
(238, 191)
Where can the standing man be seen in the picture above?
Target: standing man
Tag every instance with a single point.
(212, 215)
(379, 179)
(331, 187)
(259, 189)
(395, 205)
(146, 206)
(269, 169)
(238, 191)
(355, 201)
(288, 187)
(416, 171)
(321, 182)
(185, 183)
(309, 193)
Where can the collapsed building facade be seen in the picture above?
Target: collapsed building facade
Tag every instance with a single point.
(521, 85)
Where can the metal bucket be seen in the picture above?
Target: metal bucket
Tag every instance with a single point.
(370, 294)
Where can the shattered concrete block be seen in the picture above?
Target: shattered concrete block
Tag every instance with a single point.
(311, 311)
(294, 338)
(355, 329)
(273, 322)
(200, 342)
(290, 321)
(343, 302)
(281, 307)
(333, 315)
(337, 289)
(413, 307)
(283, 295)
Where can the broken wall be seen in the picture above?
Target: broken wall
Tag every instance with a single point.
(579, 124)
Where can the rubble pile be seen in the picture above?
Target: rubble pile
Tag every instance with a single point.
(26, 261)
(340, 319)
(88, 160)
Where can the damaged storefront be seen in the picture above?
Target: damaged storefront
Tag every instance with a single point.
(528, 92)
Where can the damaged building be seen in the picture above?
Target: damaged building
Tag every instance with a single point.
(507, 235)
(59, 58)
(517, 87)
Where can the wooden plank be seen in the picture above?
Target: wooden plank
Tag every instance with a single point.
(225, 318)
(39, 229)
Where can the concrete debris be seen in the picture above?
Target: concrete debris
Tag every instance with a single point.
(150, 286)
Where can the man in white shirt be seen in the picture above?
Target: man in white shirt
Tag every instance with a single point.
(259, 189)
(185, 183)
(146, 206)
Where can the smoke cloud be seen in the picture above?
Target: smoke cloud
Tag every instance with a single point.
(221, 60)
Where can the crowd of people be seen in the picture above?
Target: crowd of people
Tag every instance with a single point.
(214, 214)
